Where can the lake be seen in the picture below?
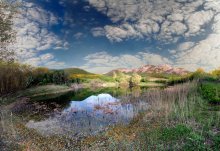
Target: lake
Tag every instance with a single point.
(82, 113)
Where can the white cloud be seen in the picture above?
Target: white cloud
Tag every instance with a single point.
(39, 60)
(155, 59)
(195, 22)
(47, 56)
(216, 25)
(44, 60)
(198, 19)
(125, 31)
(147, 27)
(98, 31)
(185, 46)
(32, 24)
(177, 28)
(102, 62)
(212, 4)
(205, 53)
(164, 20)
(177, 18)
(86, 8)
(78, 35)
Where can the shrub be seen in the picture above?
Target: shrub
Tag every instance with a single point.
(210, 91)
(135, 80)
(216, 73)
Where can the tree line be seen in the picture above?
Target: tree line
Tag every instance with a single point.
(15, 76)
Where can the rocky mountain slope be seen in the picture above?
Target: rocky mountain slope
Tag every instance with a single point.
(165, 69)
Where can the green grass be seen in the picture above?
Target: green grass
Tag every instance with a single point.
(174, 133)
(75, 71)
(210, 91)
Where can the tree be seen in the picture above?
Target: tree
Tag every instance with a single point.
(216, 73)
(13, 77)
(135, 80)
(199, 73)
(122, 79)
(114, 76)
(7, 36)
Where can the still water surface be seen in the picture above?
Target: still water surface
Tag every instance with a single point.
(91, 114)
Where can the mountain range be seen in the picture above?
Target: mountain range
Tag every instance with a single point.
(149, 69)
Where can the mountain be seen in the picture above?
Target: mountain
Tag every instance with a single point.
(149, 69)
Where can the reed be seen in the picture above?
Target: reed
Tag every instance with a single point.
(173, 118)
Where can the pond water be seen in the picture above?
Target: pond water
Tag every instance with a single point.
(85, 112)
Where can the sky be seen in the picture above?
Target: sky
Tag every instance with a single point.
(101, 35)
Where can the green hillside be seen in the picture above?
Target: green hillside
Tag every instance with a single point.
(71, 71)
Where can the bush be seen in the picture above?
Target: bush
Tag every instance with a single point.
(144, 79)
(176, 80)
(122, 79)
(210, 91)
(135, 80)
(216, 74)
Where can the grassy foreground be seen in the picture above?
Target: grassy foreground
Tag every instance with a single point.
(179, 118)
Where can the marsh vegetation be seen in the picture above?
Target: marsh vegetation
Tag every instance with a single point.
(173, 118)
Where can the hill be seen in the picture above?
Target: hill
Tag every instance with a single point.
(71, 71)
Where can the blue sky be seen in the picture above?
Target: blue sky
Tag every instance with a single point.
(101, 35)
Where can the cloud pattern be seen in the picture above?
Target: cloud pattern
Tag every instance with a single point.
(191, 27)
(178, 22)
(32, 25)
